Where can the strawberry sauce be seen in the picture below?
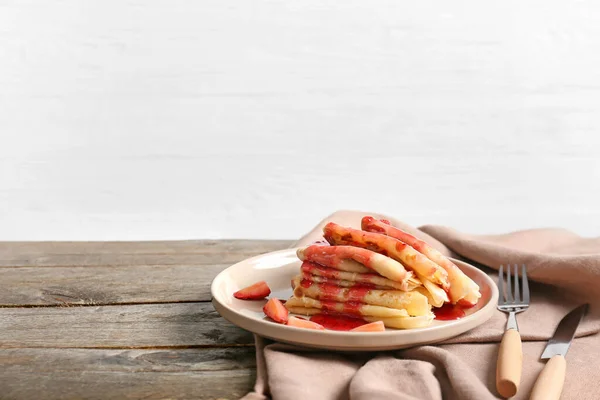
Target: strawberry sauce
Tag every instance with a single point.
(358, 293)
(305, 283)
(449, 312)
(337, 323)
(352, 307)
(310, 267)
(330, 292)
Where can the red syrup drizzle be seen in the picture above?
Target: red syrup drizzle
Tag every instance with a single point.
(355, 295)
(358, 293)
(328, 305)
(329, 291)
(465, 304)
(449, 312)
(337, 322)
(310, 268)
(352, 308)
(305, 283)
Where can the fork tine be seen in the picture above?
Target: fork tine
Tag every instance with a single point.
(501, 297)
(525, 285)
(517, 295)
(509, 297)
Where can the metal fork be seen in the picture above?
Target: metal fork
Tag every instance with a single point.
(510, 355)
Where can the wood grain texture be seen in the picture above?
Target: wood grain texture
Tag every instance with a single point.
(48, 254)
(136, 326)
(172, 350)
(146, 119)
(88, 273)
(133, 374)
(17, 250)
(103, 285)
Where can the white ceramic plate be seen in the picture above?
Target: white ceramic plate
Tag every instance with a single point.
(278, 268)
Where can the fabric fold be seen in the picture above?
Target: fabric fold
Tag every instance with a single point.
(564, 271)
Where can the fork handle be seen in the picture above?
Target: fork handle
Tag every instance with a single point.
(510, 363)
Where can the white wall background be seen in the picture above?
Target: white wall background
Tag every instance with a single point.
(150, 119)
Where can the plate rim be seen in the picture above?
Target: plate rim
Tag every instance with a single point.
(258, 326)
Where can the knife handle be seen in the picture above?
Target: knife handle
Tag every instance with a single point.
(510, 363)
(549, 384)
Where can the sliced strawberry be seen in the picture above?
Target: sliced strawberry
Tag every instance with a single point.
(276, 311)
(258, 291)
(303, 323)
(376, 326)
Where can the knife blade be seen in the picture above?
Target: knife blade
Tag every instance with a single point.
(563, 335)
(549, 383)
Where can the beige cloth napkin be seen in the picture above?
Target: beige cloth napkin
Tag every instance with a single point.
(566, 271)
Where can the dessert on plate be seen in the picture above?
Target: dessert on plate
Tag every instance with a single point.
(378, 273)
(368, 279)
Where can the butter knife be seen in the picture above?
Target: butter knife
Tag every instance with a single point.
(550, 382)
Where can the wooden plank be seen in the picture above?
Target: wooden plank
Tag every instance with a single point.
(106, 284)
(133, 374)
(76, 256)
(83, 260)
(18, 249)
(135, 326)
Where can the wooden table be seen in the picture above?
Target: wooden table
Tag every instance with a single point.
(99, 320)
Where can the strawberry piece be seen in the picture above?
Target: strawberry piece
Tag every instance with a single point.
(276, 311)
(376, 326)
(303, 323)
(258, 291)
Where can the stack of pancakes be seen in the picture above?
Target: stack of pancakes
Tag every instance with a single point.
(379, 273)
